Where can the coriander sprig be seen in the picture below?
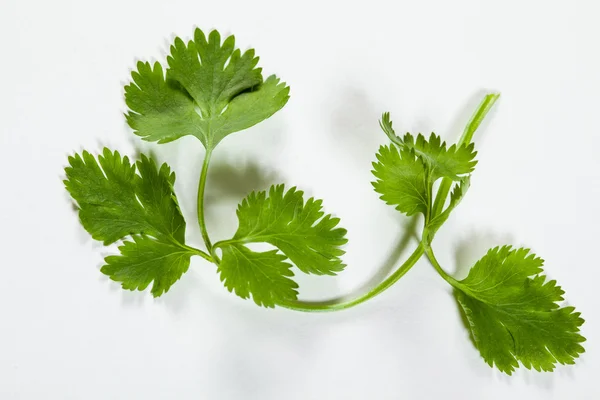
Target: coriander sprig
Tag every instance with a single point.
(210, 89)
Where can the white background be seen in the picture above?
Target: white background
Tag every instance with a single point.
(67, 332)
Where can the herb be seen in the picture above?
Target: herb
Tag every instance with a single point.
(511, 309)
(209, 90)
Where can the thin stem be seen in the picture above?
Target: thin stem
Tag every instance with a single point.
(424, 247)
(201, 187)
(478, 116)
(214, 255)
(328, 306)
(196, 251)
(436, 209)
(222, 243)
(437, 266)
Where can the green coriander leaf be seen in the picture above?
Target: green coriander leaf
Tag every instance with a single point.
(407, 169)
(302, 231)
(248, 109)
(402, 180)
(513, 313)
(161, 111)
(265, 275)
(147, 260)
(115, 202)
(449, 163)
(386, 126)
(211, 90)
(213, 72)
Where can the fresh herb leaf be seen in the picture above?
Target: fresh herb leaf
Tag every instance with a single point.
(402, 180)
(407, 169)
(387, 127)
(161, 110)
(115, 202)
(301, 231)
(211, 90)
(265, 276)
(145, 260)
(513, 313)
(452, 163)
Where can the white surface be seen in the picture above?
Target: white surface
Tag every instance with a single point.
(69, 333)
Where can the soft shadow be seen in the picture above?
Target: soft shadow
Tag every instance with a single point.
(149, 152)
(410, 233)
(177, 299)
(354, 125)
(474, 246)
(237, 181)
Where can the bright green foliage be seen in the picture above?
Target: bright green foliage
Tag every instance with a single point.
(115, 202)
(211, 90)
(512, 310)
(265, 275)
(407, 169)
(301, 231)
(450, 163)
(387, 127)
(513, 313)
(146, 260)
(443, 163)
(402, 180)
(161, 111)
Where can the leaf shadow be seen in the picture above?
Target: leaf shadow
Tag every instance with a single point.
(354, 125)
(472, 247)
(228, 180)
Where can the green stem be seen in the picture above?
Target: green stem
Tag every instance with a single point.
(440, 200)
(478, 116)
(196, 251)
(201, 187)
(328, 306)
(437, 266)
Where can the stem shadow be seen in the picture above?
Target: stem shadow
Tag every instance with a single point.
(410, 232)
